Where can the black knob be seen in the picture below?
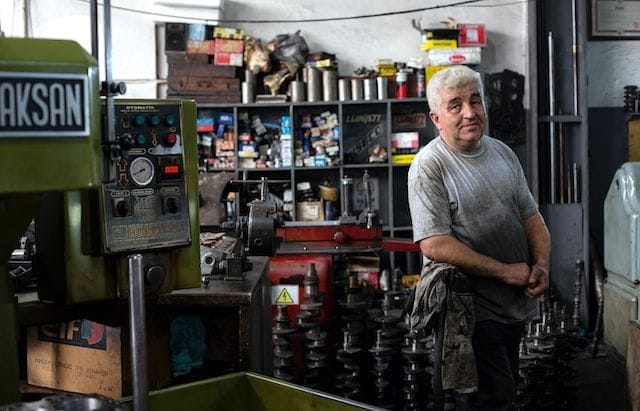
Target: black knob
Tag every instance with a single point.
(126, 141)
(154, 277)
(172, 205)
(122, 207)
(118, 88)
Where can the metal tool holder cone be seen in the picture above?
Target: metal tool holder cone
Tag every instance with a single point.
(416, 382)
(315, 337)
(282, 353)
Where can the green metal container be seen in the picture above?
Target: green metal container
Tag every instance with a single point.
(246, 391)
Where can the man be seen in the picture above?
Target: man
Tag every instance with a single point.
(471, 207)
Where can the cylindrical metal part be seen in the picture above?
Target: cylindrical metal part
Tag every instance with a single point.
(345, 195)
(138, 337)
(314, 84)
(382, 87)
(552, 126)
(247, 92)
(370, 89)
(576, 183)
(356, 89)
(344, 90)
(297, 91)
(329, 85)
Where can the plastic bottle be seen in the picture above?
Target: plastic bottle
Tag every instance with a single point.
(401, 85)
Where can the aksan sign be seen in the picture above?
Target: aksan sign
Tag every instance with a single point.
(43, 105)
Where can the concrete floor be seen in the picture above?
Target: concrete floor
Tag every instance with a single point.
(599, 381)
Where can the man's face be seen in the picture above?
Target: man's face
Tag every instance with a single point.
(461, 118)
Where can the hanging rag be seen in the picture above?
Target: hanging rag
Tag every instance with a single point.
(440, 284)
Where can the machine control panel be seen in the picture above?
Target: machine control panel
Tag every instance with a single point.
(145, 200)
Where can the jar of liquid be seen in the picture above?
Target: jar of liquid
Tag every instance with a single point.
(402, 88)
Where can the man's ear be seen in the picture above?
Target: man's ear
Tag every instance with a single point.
(435, 118)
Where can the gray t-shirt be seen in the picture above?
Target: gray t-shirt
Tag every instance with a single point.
(482, 199)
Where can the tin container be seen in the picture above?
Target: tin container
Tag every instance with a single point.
(344, 90)
(382, 83)
(370, 89)
(329, 85)
(247, 92)
(314, 84)
(356, 89)
(296, 88)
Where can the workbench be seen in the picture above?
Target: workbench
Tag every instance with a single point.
(236, 314)
(242, 309)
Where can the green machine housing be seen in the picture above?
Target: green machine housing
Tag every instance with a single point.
(54, 167)
(148, 204)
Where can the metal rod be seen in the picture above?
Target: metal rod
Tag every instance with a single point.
(570, 188)
(110, 123)
(576, 183)
(138, 339)
(561, 167)
(27, 18)
(552, 130)
(93, 13)
(574, 51)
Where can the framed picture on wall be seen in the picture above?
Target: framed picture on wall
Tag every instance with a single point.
(615, 20)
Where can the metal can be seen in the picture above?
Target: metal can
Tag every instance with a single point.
(247, 92)
(382, 87)
(329, 85)
(297, 91)
(344, 90)
(314, 84)
(356, 88)
(370, 89)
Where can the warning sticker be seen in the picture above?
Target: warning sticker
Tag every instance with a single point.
(284, 294)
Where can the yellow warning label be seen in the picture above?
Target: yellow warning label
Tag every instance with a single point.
(284, 297)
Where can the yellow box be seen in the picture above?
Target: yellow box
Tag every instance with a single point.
(386, 71)
(402, 158)
(438, 44)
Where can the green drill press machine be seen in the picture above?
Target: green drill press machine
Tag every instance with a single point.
(97, 200)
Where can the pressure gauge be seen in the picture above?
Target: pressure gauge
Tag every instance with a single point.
(141, 171)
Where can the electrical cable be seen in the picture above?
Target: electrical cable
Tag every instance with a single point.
(463, 3)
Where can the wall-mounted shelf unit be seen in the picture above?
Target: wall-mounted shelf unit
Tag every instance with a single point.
(358, 127)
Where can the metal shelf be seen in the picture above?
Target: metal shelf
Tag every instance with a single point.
(392, 198)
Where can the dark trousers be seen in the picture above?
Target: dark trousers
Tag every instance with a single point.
(495, 346)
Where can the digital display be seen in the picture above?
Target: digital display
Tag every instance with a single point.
(171, 170)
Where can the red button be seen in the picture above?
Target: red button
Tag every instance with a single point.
(170, 139)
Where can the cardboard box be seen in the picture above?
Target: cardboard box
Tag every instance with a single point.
(402, 158)
(429, 44)
(228, 59)
(310, 211)
(200, 47)
(87, 357)
(407, 142)
(229, 46)
(472, 35)
(460, 55)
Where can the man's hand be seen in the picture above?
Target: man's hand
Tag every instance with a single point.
(517, 274)
(538, 282)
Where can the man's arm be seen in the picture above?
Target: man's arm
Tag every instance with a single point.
(540, 249)
(448, 249)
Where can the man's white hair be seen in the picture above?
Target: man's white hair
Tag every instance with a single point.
(451, 78)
